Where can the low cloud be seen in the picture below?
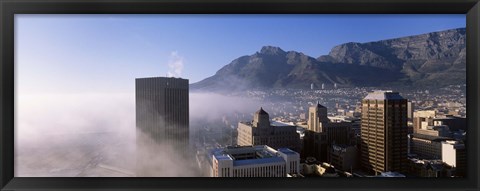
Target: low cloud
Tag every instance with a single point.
(212, 106)
(72, 135)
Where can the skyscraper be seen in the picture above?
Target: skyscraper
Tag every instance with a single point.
(322, 132)
(317, 118)
(384, 132)
(162, 120)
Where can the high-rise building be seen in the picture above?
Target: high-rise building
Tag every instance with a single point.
(162, 121)
(384, 132)
(317, 118)
(321, 133)
(263, 132)
(254, 161)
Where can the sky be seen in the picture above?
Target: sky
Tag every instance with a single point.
(105, 53)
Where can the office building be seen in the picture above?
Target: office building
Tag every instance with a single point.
(317, 118)
(384, 132)
(254, 161)
(162, 120)
(321, 133)
(261, 131)
(427, 146)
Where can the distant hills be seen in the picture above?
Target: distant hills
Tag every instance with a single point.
(434, 59)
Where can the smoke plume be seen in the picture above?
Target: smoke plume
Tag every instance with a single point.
(175, 65)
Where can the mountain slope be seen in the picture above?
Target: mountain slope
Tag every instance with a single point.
(432, 59)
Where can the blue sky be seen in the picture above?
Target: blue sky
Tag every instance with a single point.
(105, 53)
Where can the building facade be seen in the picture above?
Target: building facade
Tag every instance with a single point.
(262, 132)
(427, 146)
(322, 133)
(162, 120)
(384, 132)
(254, 161)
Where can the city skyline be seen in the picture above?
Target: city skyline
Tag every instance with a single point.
(103, 79)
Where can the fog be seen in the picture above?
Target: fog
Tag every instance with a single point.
(212, 106)
(74, 135)
(93, 134)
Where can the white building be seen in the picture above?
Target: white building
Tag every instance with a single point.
(453, 153)
(254, 161)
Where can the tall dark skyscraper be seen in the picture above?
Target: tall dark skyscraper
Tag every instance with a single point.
(384, 132)
(162, 120)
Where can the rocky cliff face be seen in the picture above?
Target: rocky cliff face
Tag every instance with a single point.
(433, 59)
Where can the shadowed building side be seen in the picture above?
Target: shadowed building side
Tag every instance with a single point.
(162, 121)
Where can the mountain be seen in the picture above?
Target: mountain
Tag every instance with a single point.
(433, 59)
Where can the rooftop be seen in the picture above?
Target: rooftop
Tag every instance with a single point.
(259, 154)
(287, 151)
(430, 137)
(261, 111)
(384, 95)
(258, 161)
(279, 124)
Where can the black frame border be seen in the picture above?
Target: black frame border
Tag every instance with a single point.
(10, 7)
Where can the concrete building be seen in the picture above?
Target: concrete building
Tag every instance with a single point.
(427, 146)
(344, 157)
(384, 132)
(263, 132)
(254, 161)
(453, 154)
(421, 123)
(321, 133)
(162, 118)
(317, 118)
(453, 123)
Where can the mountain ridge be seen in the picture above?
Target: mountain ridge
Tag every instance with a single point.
(430, 59)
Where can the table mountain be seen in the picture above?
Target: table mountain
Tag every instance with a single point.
(427, 60)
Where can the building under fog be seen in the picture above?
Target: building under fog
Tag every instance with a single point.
(254, 161)
(263, 132)
(384, 132)
(162, 121)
